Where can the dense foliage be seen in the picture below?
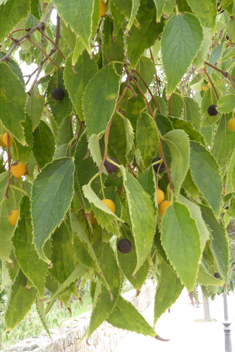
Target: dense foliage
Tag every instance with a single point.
(127, 100)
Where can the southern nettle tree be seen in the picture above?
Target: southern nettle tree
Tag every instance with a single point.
(117, 151)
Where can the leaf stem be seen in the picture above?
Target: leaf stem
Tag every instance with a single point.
(19, 189)
(212, 84)
(102, 186)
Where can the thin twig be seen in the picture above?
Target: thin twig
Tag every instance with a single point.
(212, 84)
(41, 61)
(151, 54)
(78, 135)
(53, 44)
(226, 74)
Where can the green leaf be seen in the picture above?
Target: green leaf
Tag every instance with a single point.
(224, 142)
(226, 103)
(205, 278)
(33, 267)
(208, 99)
(126, 316)
(168, 7)
(76, 83)
(164, 124)
(159, 5)
(12, 13)
(41, 314)
(230, 180)
(205, 10)
(203, 52)
(168, 290)
(187, 126)
(79, 16)
(44, 144)
(123, 7)
(219, 244)
(99, 104)
(12, 102)
(206, 175)
(192, 112)
(178, 143)
(14, 66)
(134, 10)
(175, 104)
(181, 40)
(142, 215)
(147, 179)
(190, 186)
(35, 107)
(146, 69)
(19, 302)
(65, 132)
(141, 38)
(51, 196)
(181, 242)
(147, 138)
(128, 262)
(35, 4)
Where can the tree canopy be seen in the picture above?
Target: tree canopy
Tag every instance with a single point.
(117, 152)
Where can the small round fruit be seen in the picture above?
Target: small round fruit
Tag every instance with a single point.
(13, 216)
(103, 8)
(2, 144)
(5, 140)
(57, 94)
(92, 217)
(212, 110)
(157, 167)
(163, 206)
(110, 167)
(18, 169)
(231, 124)
(124, 246)
(110, 204)
(160, 196)
(217, 275)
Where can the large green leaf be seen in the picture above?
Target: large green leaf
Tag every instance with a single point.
(10, 14)
(79, 15)
(168, 290)
(142, 215)
(12, 102)
(206, 175)
(44, 144)
(77, 78)
(178, 143)
(147, 179)
(192, 112)
(33, 267)
(35, 107)
(187, 126)
(99, 104)
(51, 196)
(65, 132)
(205, 10)
(226, 103)
(181, 40)
(181, 241)
(147, 138)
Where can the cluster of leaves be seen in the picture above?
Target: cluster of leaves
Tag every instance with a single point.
(114, 105)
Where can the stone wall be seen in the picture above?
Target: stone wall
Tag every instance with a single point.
(104, 339)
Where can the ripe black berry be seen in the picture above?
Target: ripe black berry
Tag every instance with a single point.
(157, 167)
(124, 246)
(217, 275)
(212, 110)
(57, 94)
(110, 167)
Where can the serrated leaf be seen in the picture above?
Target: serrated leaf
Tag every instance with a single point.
(192, 112)
(159, 5)
(41, 314)
(65, 131)
(134, 10)
(226, 103)
(94, 147)
(76, 83)
(205, 278)
(143, 37)
(142, 215)
(147, 138)
(205, 10)
(51, 196)
(35, 107)
(168, 290)
(181, 40)
(187, 126)
(126, 316)
(44, 144)
(99, 104)
(161, 104)
(230, 180)
(12, 13)
(124, 7)
(203, 51)
(178, 143)
(206, 175)
(14, 66)
(181, 242)
(33, 267)
(12, 102)
(147, 179)
(146, 69)
(16, 312)
(219, 244)
(128, 262)
(168, 7)
(164, 124)
(190, 186)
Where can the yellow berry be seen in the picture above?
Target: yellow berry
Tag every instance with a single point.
(13, 216)
(6, 141)
(110, 204)
(18, 169)
(102, 8)
(92, 217)
(231, 124)
(160, 196)
(163, 206)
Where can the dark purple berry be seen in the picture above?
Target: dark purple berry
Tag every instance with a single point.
(110, 167)
(217, 275)
(57, 94)
(212, 110)
(157, 168)
(124, 246)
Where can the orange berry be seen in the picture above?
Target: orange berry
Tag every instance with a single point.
(160, 196)
(92, 217)
(231, 124)
(13, 216)
(110, 204)
(5, 139)
(163, 206)
(102, 8)
(18, 169)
